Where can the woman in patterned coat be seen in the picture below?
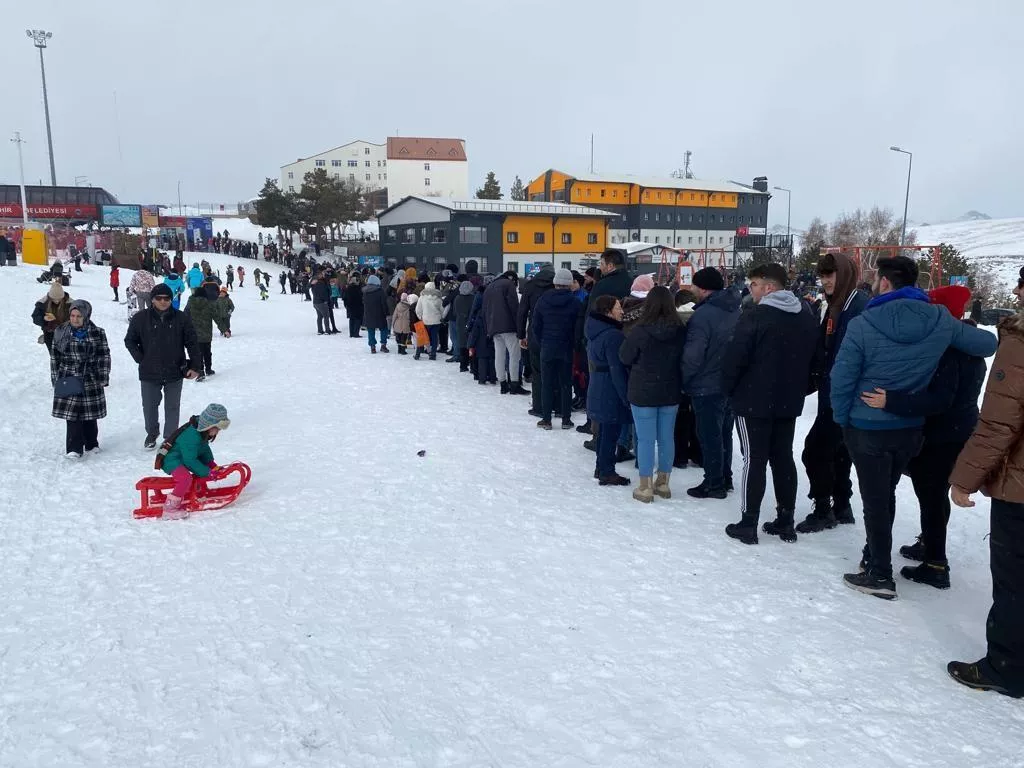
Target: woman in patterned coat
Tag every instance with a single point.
(80, 349)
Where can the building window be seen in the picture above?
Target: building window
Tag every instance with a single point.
(473, 235)
(378, 177)
(335, 163)
(689, 240)
(321, 163)
(367, 163)
(352, 177)
(657, 239)
(657, 215)
(366, 150)
(700, 218)
(512, 238)
(592, 238)
(385, 177)
(426, 182)
(602, 193)
(367, 177)
(538, 238)
(558, 196)
(711, 218)
(693, 196)
(291, 188)
(409, 236)
(378, 163)
(647, 216)
(385, 163)
(423, 234)
(291, 175)
(353, 163)
(566, 238)
(700, 240)
(730, 241)
(440, 235)
(615, 193)
(392, 235)
(426, 166)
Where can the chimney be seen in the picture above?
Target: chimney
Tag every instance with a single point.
(761, 183)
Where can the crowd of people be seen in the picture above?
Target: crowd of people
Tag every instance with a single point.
(665, 375)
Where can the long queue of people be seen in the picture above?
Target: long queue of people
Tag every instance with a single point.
(671, 373)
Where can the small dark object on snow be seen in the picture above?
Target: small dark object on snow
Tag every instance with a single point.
(421, 453)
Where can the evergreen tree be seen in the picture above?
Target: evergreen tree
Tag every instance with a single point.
(270, 205)
(518, 191)
(491, 189)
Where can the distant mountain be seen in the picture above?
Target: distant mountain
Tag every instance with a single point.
(974, 216)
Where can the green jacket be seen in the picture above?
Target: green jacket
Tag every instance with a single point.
(204, 313)
(191, 451)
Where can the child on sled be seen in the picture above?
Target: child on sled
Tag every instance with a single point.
(187, 455)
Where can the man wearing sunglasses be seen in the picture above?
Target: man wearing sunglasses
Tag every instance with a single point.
(162, 340)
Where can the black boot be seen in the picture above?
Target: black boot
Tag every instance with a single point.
(982, 677)
(843, 512)
(820, 519)
(613, 479)
(504, 387)
(416, 355)
(516, 388)
(914, 551)
(745, 530)
(933, 574)
(401, 349)
(622, 454)
(781, 526)
(704, 491)
(584, 429)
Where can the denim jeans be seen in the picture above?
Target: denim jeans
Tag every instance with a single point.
(453, 336)
(714, 430)
(432, 332)
(607, 434)
(655, 424)
(371, 336)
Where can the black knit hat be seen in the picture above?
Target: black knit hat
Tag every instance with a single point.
(161, 289)
(709, 279)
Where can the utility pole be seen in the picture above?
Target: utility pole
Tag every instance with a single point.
(906, 201)
(789, 218)
(39, 38)
(21, 169)
(591, 153)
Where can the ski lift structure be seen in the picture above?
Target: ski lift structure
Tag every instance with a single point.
(671, 264)
(866, 258)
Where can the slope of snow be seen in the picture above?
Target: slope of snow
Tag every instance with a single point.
(486, 604)
(996, 243)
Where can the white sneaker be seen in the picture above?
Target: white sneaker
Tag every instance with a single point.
(93, 451)
(173, 509)
(72, 456)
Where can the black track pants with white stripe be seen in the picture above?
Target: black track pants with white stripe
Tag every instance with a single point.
(764, 442)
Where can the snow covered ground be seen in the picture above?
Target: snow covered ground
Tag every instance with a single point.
(484, 605)
(997, 243)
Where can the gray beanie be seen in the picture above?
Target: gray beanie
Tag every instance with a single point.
(214, 415)
(563, 277)
(84, 308)
(465, 287)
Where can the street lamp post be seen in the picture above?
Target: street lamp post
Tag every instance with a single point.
(39, 38)
(906, 202)
(21, 168)
(789, 219)
(179, 198)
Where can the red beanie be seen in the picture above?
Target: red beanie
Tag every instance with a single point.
(953, 297)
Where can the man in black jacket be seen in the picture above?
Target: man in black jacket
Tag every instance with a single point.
(321, 290)
(615, 278)
(158, 339)
(537, 286)
(766, 372)
(501, 313)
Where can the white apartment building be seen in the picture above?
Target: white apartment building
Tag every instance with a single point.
(358, 162)
(426, 167)
(404, 166)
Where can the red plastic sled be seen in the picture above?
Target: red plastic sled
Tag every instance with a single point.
(201, 497)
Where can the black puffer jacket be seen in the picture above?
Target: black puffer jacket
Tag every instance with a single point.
(617, 284)
(158, 342)
(950, 403)
(653, 353)
(375, 307)
(768, 364)
(533, 289)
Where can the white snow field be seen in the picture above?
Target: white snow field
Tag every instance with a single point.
(484, 605)
(996, 243)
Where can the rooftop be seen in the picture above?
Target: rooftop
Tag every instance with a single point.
(521, 207)
(413, 148)
(667, 182)
(334, 149)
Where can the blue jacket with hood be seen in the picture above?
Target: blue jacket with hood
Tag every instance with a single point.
(896, 343)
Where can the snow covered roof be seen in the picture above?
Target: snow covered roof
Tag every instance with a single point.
(667, 182)
(635, 246)
(521, 207)
(333, 149)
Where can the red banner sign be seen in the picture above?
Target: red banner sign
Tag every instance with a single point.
(172, 222)
(13, 211)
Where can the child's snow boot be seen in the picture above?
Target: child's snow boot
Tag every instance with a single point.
(173, 509)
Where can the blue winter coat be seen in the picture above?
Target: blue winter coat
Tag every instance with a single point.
(607, 398)
(896, 343)
(707, 335)
(554, 324)
(195, 277)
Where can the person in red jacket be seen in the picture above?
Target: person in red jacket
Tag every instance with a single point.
(115, 280)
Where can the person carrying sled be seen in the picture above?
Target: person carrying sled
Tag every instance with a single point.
(187, 455)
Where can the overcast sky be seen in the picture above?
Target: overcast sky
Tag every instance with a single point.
(220, 93)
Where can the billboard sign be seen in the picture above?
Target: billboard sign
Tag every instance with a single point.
(371, 261)
(13, 211)
(173, 222)
(958, 280)
(200, 229)
(151, 216)
(121, 215)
